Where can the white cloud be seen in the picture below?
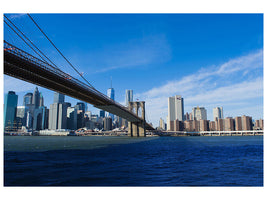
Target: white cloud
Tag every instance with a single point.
(251, 61)
(134, 53)
(211, 86)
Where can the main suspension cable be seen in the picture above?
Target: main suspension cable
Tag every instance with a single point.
(59, 50)
(31, 43)
(25, 41)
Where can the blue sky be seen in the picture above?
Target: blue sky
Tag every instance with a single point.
(210, 59)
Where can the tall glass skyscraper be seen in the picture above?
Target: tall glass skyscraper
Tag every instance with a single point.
(81, 106)
(27, 99)
(59, 98)
(128, 97)
(111, 94)
(10, 109)
(41, 103)
(36, 98)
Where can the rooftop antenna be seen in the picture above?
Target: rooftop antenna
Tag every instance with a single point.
(111, 82)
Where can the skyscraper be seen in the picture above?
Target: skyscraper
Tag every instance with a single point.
(102, 113)
(27, 99)
(199, 113)
(59, 98)
(72, 118)
(36, 98)
(111, 95)
(81, 106)
(107, 123)
(53, 116)
(21, 114)
(128, 97)
(10, 109)
(41, 103)
(175, 109)
(218, 112)
(58, 116)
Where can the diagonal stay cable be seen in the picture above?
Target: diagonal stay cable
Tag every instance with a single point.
(31, 42)
(58, 50)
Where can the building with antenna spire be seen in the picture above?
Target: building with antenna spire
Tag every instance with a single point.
(111, 95)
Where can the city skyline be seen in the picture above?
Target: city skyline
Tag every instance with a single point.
(197, 114)
(227, 69)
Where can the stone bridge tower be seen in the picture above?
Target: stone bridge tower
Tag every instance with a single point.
(137, 129)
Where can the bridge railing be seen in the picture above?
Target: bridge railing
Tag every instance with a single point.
(44, 65)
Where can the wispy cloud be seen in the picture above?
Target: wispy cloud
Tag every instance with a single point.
(135, 53)
(16, 16)
(228, 85)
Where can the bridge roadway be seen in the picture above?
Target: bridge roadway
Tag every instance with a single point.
(24, 66)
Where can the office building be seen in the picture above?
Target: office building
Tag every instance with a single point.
(178, 125)
(161, 124)
(27, 99)
(10, 109)
(88, 114)
(81, 106)
(58, 116)
(107, 123)
(190, 116)
(21, 114)
(186, 117)
(128, 97)
(175, 109)
(111, 95)
(36, 98)
(80, 118)
(199, 113)
(59, 98)
(102, 113)
(62, 115)
(53, 116)
(218, 113)
(41, 103)
(40, 118)
(71, 118)
(29, 119)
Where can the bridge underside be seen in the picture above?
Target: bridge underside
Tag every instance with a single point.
(25, 70)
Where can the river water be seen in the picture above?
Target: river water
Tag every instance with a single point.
(125, 161)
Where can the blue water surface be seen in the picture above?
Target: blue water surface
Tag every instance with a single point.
(124, 161)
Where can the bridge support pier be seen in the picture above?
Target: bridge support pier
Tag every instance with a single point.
(137, 129)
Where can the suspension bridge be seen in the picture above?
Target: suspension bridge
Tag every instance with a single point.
(43, 72)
